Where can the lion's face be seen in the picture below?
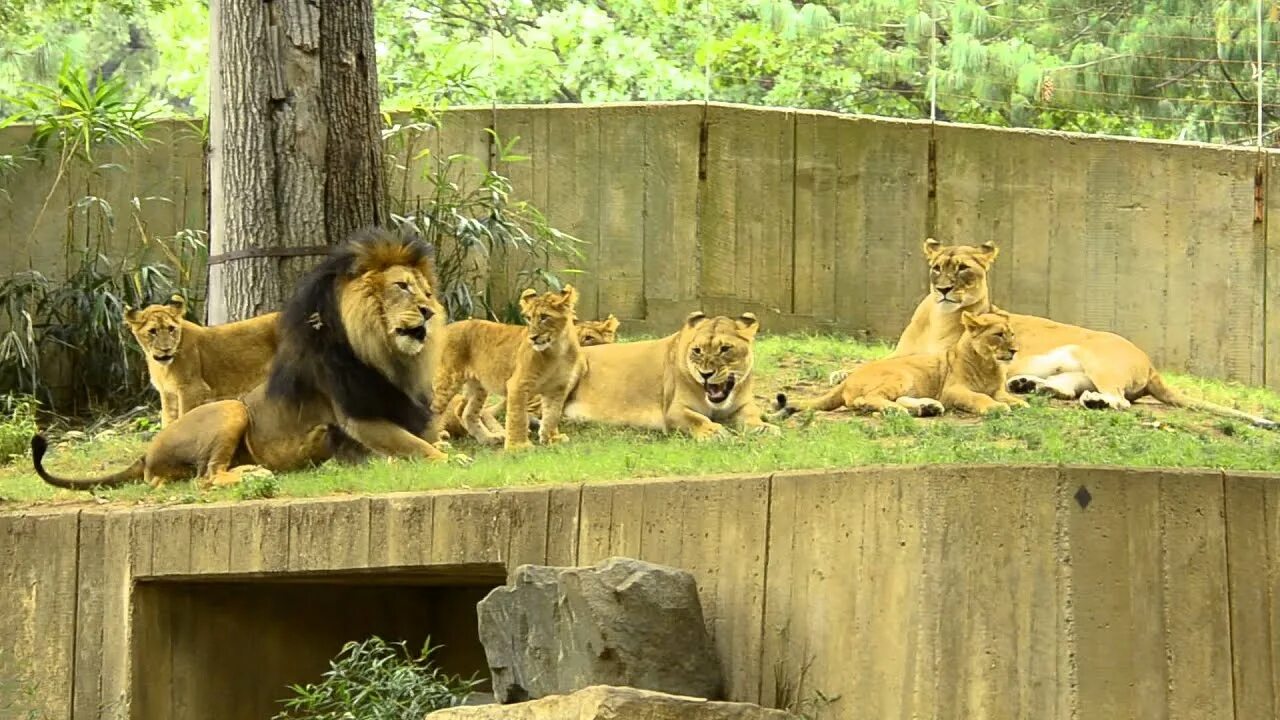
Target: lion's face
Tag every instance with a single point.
(598, 332)
(991, 334)
(549, 316)
(158, 328)
(718, 352)
(407, 308)
(958, 273)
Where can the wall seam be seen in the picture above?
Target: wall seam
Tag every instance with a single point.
(1231, 629)
(764, 585)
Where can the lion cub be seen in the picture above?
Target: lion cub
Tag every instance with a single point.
(192, 364)
(590, 334)
(541, 359)
(970, 376)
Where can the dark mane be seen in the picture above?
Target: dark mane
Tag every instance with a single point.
(315, 358)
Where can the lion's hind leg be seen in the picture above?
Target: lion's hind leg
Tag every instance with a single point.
(222, 436)
(473, 415)
(870, 403)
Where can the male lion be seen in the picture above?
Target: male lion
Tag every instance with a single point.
(969, 376)
(590, 332)
(696, 380)
(190, 364)
(540, 359)
(1101, 369)
(357, 351)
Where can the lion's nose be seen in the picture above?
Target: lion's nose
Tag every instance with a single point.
(945, 290)
(427, 313)
(706, 375)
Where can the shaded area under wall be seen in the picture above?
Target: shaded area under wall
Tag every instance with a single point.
(231, 649)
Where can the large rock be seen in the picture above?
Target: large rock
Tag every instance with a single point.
(614, 703)
(623, 622)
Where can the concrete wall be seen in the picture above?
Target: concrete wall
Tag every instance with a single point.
(815, 220)
(909, 592)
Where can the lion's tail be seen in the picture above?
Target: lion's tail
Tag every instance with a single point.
(833, 399)
(39, 445)
(1161, 391)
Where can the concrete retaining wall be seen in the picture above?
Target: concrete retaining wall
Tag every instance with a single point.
(908, 592)
(815, 220)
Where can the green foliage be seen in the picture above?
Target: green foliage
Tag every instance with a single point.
(377, 680)
(81, 315)
(468, 214)
(17, 425)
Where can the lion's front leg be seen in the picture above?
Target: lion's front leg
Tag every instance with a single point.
(517, 415)
(552, 410)
(168, 408)
(193, 397)
(693, 422)
(387, 438)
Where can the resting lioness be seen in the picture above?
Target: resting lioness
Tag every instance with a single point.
(697, 380)
(1100, 369)
(967, 376)
(191, 364)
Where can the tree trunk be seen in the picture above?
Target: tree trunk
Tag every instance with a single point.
(295, 144)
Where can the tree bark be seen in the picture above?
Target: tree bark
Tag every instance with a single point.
(295, 142)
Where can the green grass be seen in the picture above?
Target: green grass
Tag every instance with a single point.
(1150, 435)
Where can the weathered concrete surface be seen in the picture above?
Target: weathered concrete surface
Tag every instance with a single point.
(623, 622)
(603, 702)
(907, 592)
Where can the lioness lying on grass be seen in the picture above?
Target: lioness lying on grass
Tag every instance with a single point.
(969, 376)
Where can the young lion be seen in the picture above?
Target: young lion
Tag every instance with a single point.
(191, 364)
(969, 376)
(541, 359)
(590, 333)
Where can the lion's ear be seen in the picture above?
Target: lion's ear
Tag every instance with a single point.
(694, 318)
(931, 247)
(570, 295)
(970, 321)
(178, 303)
(611, 323)
(748, 324)
(527, 297)
(987, 253)
(131, 315)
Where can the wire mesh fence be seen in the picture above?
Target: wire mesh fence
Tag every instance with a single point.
(1173, 69)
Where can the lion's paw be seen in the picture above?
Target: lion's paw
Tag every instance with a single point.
(930, 408)
(1095, 400)
(1023, 384)
(766, 429)
(995, 407)
(519, 446)
(552, 439)
(709, 431)
(837, 377)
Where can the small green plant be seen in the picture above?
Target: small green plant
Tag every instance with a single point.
(471, 220)
(17, 425)
(257, 487)
(377, 680)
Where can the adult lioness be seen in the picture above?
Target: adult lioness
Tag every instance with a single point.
(539, 359)
(191, 364)
(590, 332)
(969, 376)
(357, 353)
(1101, 369)
(696, 380)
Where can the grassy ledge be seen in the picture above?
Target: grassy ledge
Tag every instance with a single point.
(1150, 435)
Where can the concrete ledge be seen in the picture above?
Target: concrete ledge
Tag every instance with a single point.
(1047, 592)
